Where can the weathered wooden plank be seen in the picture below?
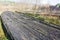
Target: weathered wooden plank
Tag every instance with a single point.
(23, 28)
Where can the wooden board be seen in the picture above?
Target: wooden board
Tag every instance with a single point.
(22, 27)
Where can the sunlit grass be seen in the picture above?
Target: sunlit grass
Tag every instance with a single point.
(2, 36)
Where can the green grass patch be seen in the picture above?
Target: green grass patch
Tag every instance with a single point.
(2, 35)
(45, 18)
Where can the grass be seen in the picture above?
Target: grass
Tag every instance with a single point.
(2, 35)
(48, 19)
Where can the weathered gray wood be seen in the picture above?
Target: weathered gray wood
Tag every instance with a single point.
(23, 28)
